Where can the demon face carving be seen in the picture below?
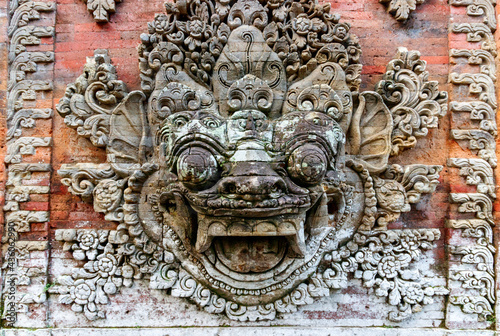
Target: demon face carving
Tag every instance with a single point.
(249, 155)
(251, 162)
(247, 170)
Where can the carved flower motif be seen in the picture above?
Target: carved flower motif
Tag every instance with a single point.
(88, 243)
(105, 265)
(389, 267)
(196, 29)
(414, 293)
(88, 240)
(409, 243)
(82, 292)
(305, 28)
(302, 24)
(160, 23)
(107, 195)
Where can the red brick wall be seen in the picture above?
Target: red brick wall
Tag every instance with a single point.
(78, 35)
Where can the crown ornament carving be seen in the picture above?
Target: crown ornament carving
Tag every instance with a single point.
(249, 174)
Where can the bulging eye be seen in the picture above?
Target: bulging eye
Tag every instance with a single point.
(197, 168)
(307, 165)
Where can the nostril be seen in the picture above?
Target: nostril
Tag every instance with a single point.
(229, 187)
(277, 187)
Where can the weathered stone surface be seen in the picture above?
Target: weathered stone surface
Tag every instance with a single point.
(250, 331)
(242, 183)
(260, 172)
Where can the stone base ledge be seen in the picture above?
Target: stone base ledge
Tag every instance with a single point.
(245, 331)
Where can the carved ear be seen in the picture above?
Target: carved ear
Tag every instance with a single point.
(128, 134)
(370, 132)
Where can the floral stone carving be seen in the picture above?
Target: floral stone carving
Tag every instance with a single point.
(249, 174)
(401, 9)
(101, 9)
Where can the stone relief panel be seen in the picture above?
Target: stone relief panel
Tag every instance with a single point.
(472, 274)
(249, 174)
(28, 59)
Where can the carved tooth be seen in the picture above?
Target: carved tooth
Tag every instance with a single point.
(265, 229)
(297, 241)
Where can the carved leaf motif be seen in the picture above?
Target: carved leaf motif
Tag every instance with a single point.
(271, 33)
(128, 141)
(82, 178)
(415, 102)
(324, 90)
(401, 9)
(246, 53)
(66, 299)
(370, 132)
(88, 103)
(101, 9)
(417, 179)
(163, 278)
(474, 305)
(353, 76)
(394, 297)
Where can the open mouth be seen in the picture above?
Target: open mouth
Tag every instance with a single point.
(251, 216)
(248, 215)
(289, 226)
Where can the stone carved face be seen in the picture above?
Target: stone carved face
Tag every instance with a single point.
(249, 169)
(249, 159)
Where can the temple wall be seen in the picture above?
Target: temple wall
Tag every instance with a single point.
(58, 36)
